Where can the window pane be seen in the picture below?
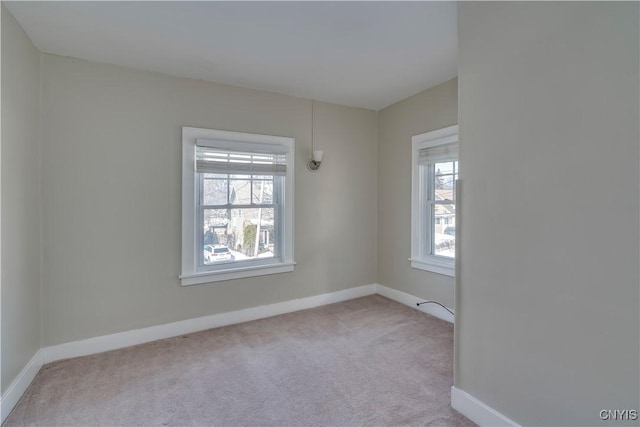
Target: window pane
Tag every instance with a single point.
(214, 192)
(444, 168)
(239, 192)
(444, 181)
(236, 235)
(256, 237)
(444, 194)
(444, 230)
(262, 192)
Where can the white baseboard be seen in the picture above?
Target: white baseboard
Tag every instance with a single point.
(411, 301)
(153, 333)
(20, 384)
(477, 411)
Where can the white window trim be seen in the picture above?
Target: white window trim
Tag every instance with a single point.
(190, 274)
(419, 259)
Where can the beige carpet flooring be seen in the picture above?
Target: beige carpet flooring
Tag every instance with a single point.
(364, 362)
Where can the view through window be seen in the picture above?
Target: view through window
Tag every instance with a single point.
(443, 208)
(238, 217)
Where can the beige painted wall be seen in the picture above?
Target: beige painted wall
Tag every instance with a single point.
(548, 302)
(21, 236)
(429, 110)
(112, 193)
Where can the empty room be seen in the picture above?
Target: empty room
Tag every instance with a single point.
(320, 213)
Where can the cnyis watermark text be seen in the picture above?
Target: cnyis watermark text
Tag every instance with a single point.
(618, 414)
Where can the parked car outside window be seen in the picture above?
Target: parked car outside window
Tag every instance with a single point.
(217, 253)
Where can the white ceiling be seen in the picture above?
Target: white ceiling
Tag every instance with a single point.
(363, 54)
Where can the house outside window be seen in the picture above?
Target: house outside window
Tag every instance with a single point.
(237, 205)
(433, 200)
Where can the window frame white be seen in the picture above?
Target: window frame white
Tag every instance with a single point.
(191, 250)
(420, 220)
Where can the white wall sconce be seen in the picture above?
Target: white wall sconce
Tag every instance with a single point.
(317, 155)
(314, 163)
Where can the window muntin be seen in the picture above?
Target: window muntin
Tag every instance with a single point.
(237, 205)
(433, 213)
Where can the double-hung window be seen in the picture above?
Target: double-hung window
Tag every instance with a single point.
(237, 205)
(433, 204)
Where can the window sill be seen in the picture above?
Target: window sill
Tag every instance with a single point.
(435, 265)
(235, 273)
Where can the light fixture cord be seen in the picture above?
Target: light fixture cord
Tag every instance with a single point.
(312, 127)
(436, 302)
